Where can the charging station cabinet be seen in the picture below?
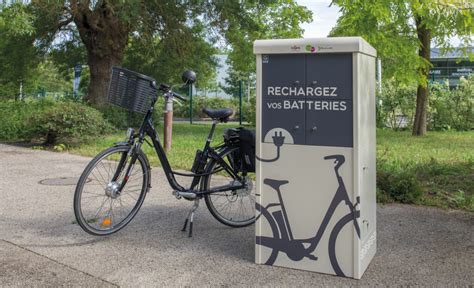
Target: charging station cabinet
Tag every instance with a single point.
(316, 206)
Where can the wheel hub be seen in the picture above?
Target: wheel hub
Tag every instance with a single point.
(248, 186)
(112, 190)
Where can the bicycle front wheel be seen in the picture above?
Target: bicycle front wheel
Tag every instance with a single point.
(235, 208)
(99, 205)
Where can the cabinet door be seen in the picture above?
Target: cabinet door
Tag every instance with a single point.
(329, 123)
(282, 70)
(283, 82)
(283, 113)
(330, 76)
(329, 114)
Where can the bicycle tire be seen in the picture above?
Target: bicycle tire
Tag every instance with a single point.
(86, 224)
(332, 243)
(276, 235)
(229, 195)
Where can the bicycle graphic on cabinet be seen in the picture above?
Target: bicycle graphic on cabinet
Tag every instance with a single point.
(297, 249)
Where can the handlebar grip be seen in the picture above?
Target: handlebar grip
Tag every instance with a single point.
(180, 97)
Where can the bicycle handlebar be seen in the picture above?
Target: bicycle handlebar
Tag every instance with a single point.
(180, 97)
(338, 159)
(167, 88)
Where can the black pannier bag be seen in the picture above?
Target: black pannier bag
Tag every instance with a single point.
(244, 160)
(247, 149)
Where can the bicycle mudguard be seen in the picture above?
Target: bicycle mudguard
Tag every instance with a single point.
(122, 143)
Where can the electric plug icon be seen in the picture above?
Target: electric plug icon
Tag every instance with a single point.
(278, 139)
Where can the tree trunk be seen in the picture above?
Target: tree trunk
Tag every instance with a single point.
(100, 69)
(422, 93)
(105, 37)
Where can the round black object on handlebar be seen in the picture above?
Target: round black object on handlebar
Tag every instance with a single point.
(189, 77)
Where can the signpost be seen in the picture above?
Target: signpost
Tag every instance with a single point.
(77, 79)
(317, 198)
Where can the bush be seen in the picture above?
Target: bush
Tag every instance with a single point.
(448, 108)
(452, 109)
(14, 115)
(395, 105)
(251, 111)
(68, 123)
(399, 185)
(121, 118)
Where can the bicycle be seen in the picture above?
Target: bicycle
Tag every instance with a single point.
(114, 184)
(283, 240)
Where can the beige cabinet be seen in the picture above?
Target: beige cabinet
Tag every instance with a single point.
(315, 150)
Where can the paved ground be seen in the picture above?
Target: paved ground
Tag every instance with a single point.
(41, 245)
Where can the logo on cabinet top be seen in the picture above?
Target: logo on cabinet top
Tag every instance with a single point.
(310, 48)
(295, 48)
(324, 48)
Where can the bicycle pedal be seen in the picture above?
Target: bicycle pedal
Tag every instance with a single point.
(176, 194)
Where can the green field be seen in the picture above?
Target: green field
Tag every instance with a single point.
(437, 169)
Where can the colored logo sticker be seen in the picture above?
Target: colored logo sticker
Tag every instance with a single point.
(310, 48)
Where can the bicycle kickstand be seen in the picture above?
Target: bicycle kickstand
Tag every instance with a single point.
(190, 218)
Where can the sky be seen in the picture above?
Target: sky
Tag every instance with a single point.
(324, 17)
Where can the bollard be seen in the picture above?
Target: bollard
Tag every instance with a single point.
(168, 123)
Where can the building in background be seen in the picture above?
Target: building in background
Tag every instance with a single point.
(450, 66)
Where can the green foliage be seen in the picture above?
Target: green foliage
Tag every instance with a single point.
(15, 19)
(252, 20)
(250, 111)
(448, 108)
(442, 163)
(67, 122)
(452, 109)
(18, 55)
(14, 115)
(389, 26)
(165, 59)
(398, 184)
(200, 102)
(121, 118)
(395, 102)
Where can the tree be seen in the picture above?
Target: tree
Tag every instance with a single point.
(402, 31)
(105, 28)
(18, 56)
(272, 20)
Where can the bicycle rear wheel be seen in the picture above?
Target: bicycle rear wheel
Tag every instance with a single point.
(100, 208)
(234, 208)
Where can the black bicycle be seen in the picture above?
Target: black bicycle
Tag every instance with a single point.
(114, 184)
(282, 239)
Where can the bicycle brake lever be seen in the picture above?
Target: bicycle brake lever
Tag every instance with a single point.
(177, 101)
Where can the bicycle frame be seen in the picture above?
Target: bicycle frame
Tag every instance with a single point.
(282, 221)
(147, 129)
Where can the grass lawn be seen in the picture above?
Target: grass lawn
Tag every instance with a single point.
(442, 163)
(437, 169)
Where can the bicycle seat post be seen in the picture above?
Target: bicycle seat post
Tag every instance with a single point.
(275, 184)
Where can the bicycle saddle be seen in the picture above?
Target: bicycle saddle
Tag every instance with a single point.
(218, 114)
(275, 184)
